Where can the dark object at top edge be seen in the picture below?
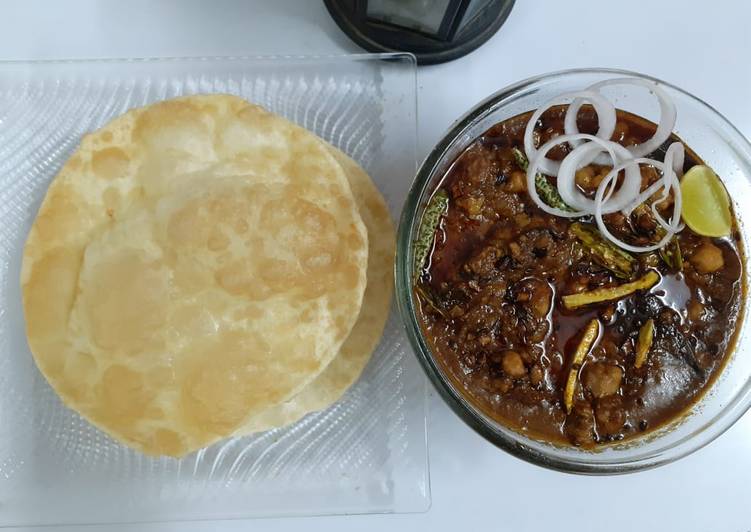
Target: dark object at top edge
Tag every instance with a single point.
(377, 36)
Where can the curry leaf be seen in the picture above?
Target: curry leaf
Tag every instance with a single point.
(548, 193)
(431, 219)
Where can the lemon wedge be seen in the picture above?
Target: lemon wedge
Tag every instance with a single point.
(706, 205)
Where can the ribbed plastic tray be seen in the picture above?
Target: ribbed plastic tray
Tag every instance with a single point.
(367, 453)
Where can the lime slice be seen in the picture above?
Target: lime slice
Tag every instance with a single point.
(706, 205)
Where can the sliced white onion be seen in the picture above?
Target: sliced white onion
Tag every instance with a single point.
(664, 127)
(660, 220)
(584, 155)
(670, 168)
(534, 168)
(651, 190)
(580, 157)
(674, 158)
(598, 148)
(676, 154)
(603, 194)
(605, 114)
(666, 180)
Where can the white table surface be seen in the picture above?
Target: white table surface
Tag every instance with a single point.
(702, 46)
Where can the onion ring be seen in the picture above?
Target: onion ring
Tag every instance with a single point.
(533, 168)
(582, 156)
(609, 197)
(605, 113)
(600, 198)
(677, 153)
(674, 157)
(651, 190)
(667, 113)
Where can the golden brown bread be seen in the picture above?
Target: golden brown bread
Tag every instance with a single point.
(354, 354)
(194, 262)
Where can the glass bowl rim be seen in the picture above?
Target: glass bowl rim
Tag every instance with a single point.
(727, 417)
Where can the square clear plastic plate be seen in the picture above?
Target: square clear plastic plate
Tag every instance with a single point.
(365, 454)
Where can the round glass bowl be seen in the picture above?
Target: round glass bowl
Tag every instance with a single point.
(719, 144)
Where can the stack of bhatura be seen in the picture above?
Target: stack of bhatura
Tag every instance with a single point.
(201, 268)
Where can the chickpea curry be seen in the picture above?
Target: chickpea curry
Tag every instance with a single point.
(544, 323)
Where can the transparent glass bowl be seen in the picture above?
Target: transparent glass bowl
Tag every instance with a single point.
(721, 146)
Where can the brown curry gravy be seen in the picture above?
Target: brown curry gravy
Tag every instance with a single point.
(500, 266)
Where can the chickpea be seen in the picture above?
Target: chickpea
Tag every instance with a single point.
(603, 379)
(517, 182)
(541, 301)
(521, 219)
(600, 175)
(513, 365)
(536, 375)
(584, 178)
(695, 310)
(707, 258)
